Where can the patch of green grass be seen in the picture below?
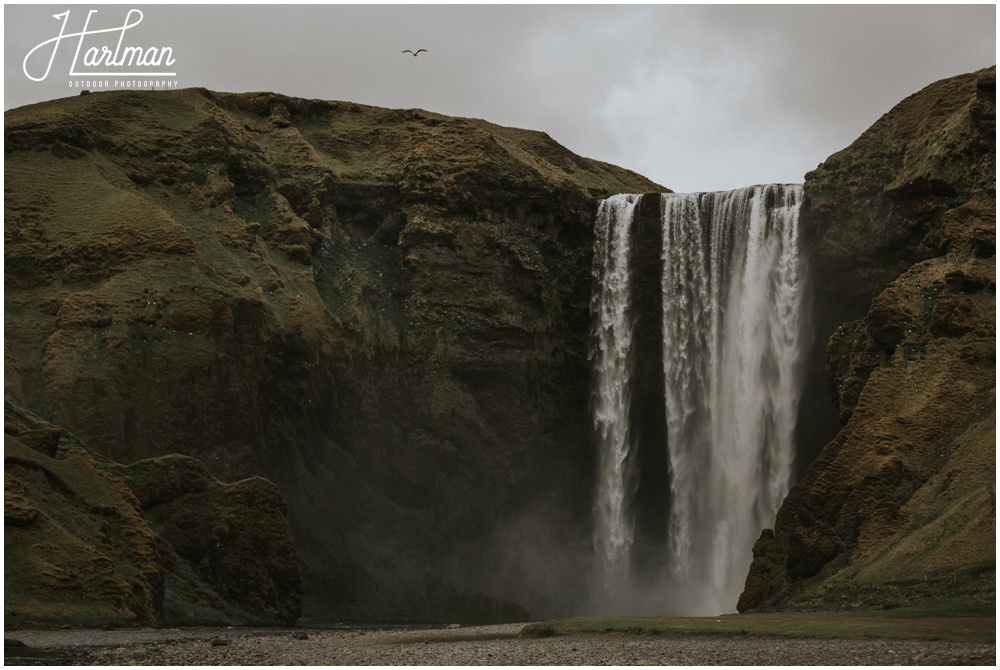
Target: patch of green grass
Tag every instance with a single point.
(538, 630)
(968, 624)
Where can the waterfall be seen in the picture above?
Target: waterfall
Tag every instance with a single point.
(611, 344)
(731, 331)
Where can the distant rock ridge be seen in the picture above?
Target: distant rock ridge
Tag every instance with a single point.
(900, 508)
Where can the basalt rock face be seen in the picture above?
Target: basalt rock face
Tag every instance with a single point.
(232, 538)
(92, 543)
(384, 312)
(76, 547)
(901, 233)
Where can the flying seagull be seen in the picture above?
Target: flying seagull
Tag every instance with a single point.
(407, 51)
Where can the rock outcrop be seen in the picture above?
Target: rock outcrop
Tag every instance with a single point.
(89, 543)
(234, 537)
(384, 312)
(901, 231)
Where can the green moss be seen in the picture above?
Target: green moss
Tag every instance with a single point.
(952, 623)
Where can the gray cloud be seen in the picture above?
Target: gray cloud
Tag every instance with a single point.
(694, 97)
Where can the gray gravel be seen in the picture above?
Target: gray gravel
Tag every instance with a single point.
(477, 645)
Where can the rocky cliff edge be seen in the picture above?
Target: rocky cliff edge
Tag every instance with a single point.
(384, 312)
(900, 508)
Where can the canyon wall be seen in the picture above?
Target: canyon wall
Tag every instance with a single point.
(380, 318)
(900, 507)
(384, 312)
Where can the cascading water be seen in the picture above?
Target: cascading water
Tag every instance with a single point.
(731, 315)
(611, 354)
(731, 330)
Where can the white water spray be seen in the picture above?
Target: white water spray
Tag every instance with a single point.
(731, 364)
(611, 349)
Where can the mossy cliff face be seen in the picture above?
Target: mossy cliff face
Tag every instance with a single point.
(901, 235)
(92, 543)
(382, 311)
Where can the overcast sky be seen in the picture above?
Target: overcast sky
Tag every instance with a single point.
(695, 97)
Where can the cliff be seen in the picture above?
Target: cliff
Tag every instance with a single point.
(900, 227)
(375, 323)
(384, 312)
(88, 542)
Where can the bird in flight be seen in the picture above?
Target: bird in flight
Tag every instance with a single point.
(408, 51)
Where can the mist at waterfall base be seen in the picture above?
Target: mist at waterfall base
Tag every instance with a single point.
(730, 328)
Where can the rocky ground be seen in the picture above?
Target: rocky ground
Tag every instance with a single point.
(481, 645)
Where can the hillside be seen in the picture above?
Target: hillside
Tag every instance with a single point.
(900, 508)
(384, 312)
(373, 324)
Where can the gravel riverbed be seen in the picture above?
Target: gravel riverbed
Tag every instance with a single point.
(473, 645)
